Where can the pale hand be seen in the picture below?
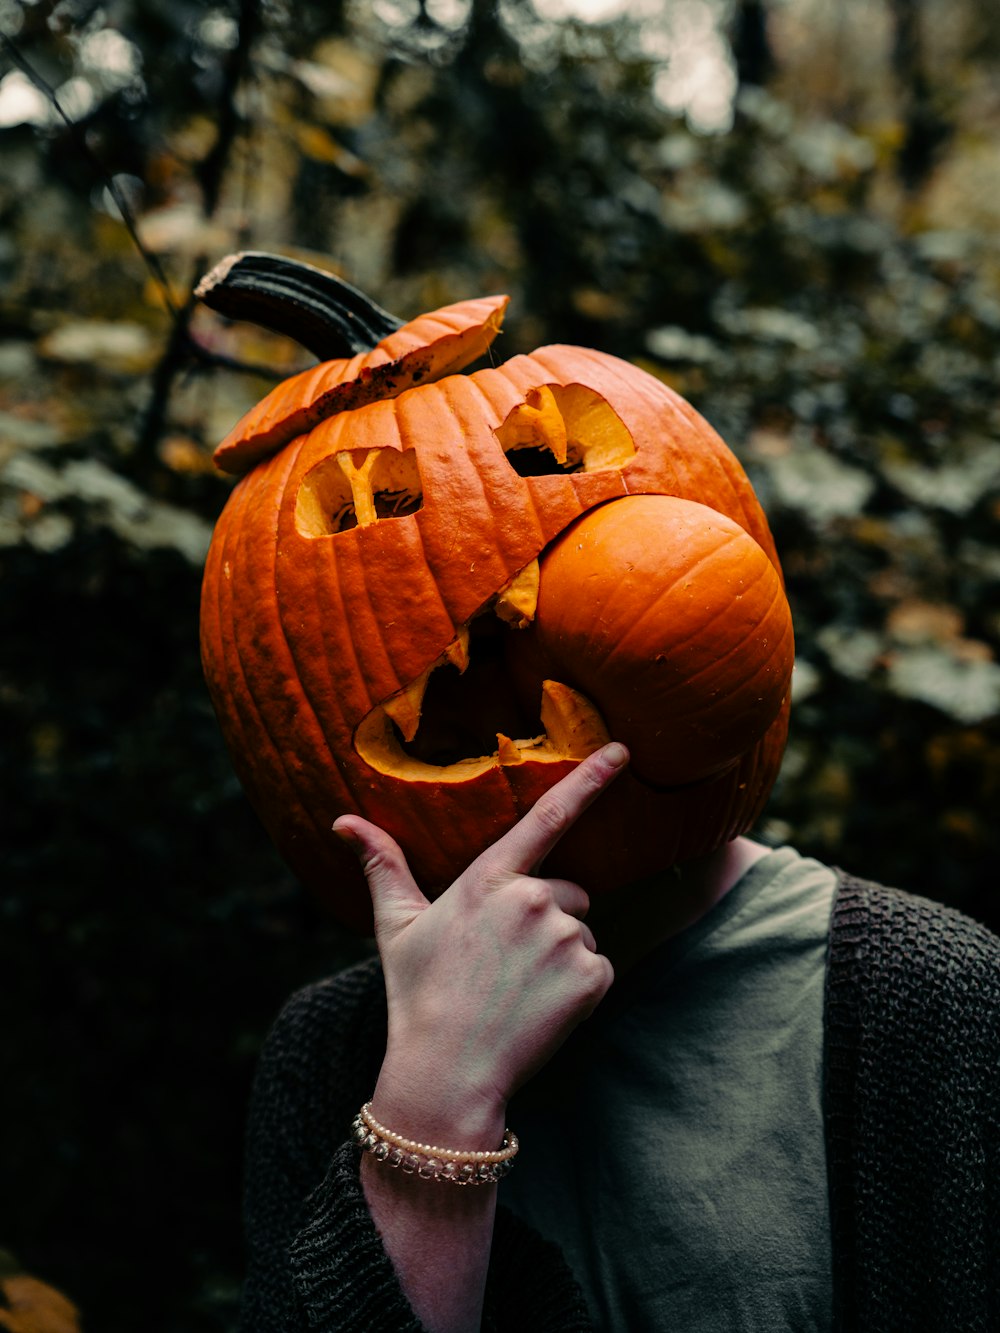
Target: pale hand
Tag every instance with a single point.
(487, 981)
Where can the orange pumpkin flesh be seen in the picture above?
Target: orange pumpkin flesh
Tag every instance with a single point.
(369, 586)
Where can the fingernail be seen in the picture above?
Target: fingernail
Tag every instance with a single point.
(347, 834)
(616, 754)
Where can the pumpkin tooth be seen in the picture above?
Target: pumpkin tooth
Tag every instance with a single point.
(516, 602)
(537, 422)
(404, 708)
(507, 751)
(457, 652)
(406, 705)
(573, 725)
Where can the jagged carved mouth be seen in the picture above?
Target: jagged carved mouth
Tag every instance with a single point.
(463, 716)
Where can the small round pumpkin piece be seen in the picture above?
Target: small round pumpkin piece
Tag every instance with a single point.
(673, 621)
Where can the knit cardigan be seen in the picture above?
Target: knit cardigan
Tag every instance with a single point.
(912, 1112)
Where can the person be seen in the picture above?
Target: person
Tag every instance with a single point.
(751, 1093)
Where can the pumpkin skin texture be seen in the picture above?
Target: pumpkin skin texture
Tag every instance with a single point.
(672, 620)
(29, 1305)
(391, 545)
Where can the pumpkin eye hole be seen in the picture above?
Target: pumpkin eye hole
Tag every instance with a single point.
(358, 487)
(564, 428)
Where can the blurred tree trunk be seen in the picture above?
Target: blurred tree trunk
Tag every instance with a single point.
(751, 44)
(210, 173)
(925, 128)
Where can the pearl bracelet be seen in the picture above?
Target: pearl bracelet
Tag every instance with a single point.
(428, 1162)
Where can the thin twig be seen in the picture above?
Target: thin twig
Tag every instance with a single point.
(200, 353)
(181, 347)
(114, 189)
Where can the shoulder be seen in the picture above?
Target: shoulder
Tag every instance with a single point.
(912, 986)
(903, 943)
(912, 1110)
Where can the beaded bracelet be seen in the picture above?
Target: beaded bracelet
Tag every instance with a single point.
(429, 1163)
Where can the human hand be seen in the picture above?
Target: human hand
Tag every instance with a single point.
(487, 981)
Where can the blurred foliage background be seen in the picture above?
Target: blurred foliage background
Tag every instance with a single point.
(787, 209)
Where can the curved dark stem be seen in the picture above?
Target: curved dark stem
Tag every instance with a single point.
(319, 310)
(181, 352)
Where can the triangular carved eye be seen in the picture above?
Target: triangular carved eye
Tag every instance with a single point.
(357, 487)
(564, 428)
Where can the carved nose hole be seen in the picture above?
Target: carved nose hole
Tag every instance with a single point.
(560, 429)
(358, 487)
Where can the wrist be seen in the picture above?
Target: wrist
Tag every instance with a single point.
(442, 1111)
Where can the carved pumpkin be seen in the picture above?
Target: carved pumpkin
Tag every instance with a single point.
(29, 1305)
(432, 594)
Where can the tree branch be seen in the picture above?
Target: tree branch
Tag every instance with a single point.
(211, 173)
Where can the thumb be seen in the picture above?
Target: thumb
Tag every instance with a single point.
(396, 897)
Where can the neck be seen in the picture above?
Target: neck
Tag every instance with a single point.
(627, 925)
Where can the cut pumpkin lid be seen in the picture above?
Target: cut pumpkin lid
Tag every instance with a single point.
(375, 355)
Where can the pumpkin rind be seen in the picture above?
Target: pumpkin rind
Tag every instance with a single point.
(29, 1305)
(305, 635)
(425, 349)
(672, 620)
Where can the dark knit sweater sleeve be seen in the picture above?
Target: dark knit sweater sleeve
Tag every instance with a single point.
(913, 1114)
(315, 1260)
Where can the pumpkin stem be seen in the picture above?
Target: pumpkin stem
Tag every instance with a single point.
(319, 310)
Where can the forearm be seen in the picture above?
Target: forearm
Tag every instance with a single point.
(437, 1234)
(483, 985)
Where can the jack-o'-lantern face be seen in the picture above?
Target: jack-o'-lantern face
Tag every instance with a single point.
(433, 593)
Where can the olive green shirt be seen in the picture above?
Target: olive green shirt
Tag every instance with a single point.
(674, 1147)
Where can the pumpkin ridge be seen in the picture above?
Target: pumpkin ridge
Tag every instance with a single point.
(372, 654)
(758, 760)
(455, 423)
(719, 465)
(530, 494)
(278, 635)
(437, 591)
(245, 698)
(417, 555)
(733, 649)
(301, 791)
(212, 637)
(542, 536)
(631, 382)
(659, 395)
(545, 537)
(223, 621)
(380, 629)
(356, 583)
(738, 485)
(751, 771)
(326, 611)
(688, 572)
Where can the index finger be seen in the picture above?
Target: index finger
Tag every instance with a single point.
(526, 845)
